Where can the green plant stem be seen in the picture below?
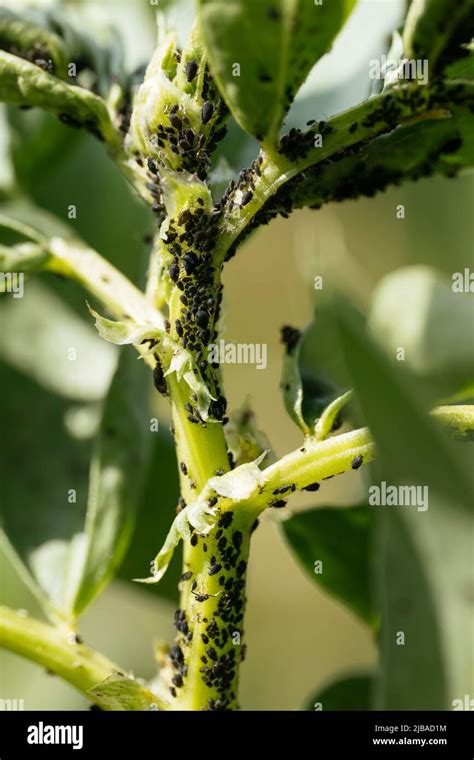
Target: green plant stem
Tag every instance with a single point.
(23, 83)
(276, 170)
(213, 602)
(201, 448)
(315, 461)
(51, 648)
(458, 419)
(100, 278)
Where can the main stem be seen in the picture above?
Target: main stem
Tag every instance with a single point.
(209, 647)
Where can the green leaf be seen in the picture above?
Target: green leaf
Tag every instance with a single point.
(118, 692)
(411, 675)
(463, 67)
(435, 29)
(125, 333)
(239, 485)
(156, 513)
(341, 539)
(424, 553)
(197, 515)
(310, 368)
(116, 479)
(37, 520)
(398, 415)
(348, 694)
(41, 324)
(293, 35)
(326, 422)
(66, 537)
(416, 309)
(180, 361)
(39, 144)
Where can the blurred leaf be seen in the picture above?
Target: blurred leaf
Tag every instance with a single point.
(40, 325)
(396, 416)
(46, 502)
(118, 692)
(116, 479)
(435, 29)
(341, 539)
(463, 67)
(415, 308)
(39, 142)
(425, 557)
(292, 38)
(349, 694)
(411, 675)
(38, 469)
(155, 515)
(99, 193)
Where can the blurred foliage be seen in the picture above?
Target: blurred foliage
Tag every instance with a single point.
(347, 694)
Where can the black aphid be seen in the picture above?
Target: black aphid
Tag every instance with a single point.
(176, 122)
(159, 379)
(191, 70)
(312, 487)
(278, 504)
(357, 462)
(152, 166)
(207, 112)
(190, 262)
(237, 539)
(202, 318)
(173, 271)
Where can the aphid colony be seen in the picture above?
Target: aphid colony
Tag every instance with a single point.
(189, 239)
(297, 144)
(38, 54)
(212, 634)
(244, 186)
(348, 173)
(179, 142)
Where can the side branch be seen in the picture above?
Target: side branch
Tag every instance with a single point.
(342, 134)
(56, 650)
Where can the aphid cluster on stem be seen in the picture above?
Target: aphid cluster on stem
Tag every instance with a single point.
(211, 629)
